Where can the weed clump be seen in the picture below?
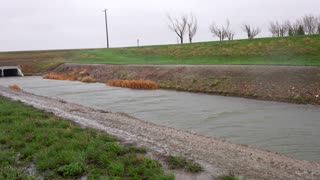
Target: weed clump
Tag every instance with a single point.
(182, 163)
(230, 177)
(88, 79)
(71, 170)
(15, 87)
(133, 84)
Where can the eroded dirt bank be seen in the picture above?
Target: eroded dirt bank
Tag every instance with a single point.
(219, 156)
(298, 84)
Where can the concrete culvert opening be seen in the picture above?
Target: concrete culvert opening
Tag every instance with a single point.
(10, 71)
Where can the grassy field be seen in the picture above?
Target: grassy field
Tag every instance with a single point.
(297, 50)
(58, 149)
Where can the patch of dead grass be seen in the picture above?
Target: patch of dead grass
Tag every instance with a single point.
(133, 84)
(15, 87)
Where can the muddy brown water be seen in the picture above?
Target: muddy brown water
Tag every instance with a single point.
(289, 129)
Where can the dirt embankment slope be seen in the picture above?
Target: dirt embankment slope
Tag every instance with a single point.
(219, 156)
(298, 84)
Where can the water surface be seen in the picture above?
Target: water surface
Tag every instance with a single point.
(289, 129)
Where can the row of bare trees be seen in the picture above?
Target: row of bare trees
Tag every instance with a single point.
(189, 24)
(224, 32)
(309, 24)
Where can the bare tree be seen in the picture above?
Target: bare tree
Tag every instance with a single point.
(252, 32)
(284, 28)
(310, 23)
(318, 29)
(230, 35)
(279, 30)
(192, 27)
(274, 29)
(178, 26)
(228, 32)
(216, 31)
(222, 32)
(296, 28)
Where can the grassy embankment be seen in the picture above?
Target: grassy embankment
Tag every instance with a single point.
(298, 50)
(59, 149)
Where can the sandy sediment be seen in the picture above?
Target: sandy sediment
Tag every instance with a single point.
(218, 156)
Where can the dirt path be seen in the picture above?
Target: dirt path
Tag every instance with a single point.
(218, 156)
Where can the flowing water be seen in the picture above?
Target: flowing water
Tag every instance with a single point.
(289, 129)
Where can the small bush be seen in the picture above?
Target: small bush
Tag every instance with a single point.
(134, 149)
(194, 167)
(176, 162)
(15, 87)
(182, 163)
(71, 170)
(230, 177)
(133, 84)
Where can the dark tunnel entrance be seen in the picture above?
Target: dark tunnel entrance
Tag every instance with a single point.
(0, 72)
(10, 72)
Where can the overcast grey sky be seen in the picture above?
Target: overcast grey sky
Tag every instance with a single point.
(59, 24)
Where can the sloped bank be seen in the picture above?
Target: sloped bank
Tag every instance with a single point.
(297, 84)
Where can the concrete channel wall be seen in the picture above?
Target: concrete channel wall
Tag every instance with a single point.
(8, 71)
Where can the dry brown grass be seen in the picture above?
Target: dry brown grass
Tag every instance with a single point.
(71, 77)
(133, 84)
(88, 79)
(15, 87)
(55, 76)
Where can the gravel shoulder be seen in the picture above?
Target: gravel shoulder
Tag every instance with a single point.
(218, 156)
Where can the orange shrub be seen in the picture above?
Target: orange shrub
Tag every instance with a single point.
(133, 84)
(15, 87)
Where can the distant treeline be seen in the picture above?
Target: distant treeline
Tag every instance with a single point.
(187, 24)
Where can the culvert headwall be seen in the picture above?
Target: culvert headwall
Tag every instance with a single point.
(9, 71)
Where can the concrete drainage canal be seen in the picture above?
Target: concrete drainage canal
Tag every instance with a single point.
(290, 129)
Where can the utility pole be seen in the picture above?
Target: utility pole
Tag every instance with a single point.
(107, 33)
(138, 42)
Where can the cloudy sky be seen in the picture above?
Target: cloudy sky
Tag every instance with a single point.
(60, 24)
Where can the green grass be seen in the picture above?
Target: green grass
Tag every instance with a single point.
(182, 163)
(299, 50)
(288, 50)
(296, 50)
(230, 177)
(60, 149)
